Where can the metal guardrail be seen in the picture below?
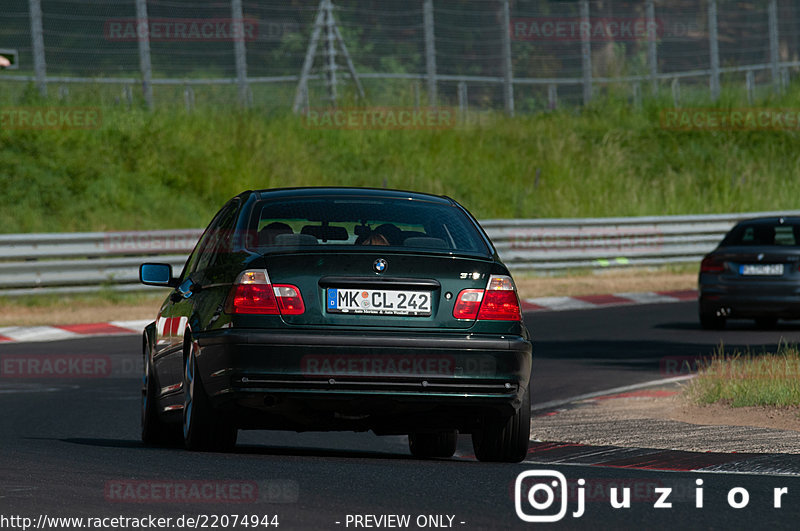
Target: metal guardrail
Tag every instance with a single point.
(558, 244)
(91, 261)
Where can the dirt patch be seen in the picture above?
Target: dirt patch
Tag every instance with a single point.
(79, 311)
(787, 418)
(624, 281)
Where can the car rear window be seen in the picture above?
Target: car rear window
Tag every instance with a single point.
(782, 234)
(350, 222)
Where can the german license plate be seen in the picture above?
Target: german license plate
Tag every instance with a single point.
(761, 269)
(379, 302)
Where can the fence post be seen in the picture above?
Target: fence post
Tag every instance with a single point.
(714, 49)
(508, 76)
(127, 93)
(552, 97)
(240, 52)
(330, 67)
(773, 45)
(652, 37)
(586, 53)
(37, 38)
(676, 92)
(430, 52)
(463, 101)
(143, 36)
(750, 86)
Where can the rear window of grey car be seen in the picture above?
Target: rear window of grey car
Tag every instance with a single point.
(350, 222)
(759, 234)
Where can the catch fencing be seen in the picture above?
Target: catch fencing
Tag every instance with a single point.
(86, 262)
(520, 55)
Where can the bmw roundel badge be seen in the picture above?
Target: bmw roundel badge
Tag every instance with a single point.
(380, 265)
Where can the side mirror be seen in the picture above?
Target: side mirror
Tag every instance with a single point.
(157, 275)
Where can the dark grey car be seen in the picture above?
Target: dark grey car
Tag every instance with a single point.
(753, 274)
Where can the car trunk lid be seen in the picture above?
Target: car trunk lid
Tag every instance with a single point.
(378, 289)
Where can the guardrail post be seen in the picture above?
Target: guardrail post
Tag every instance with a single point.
(586, 53)
(713, 42)
(240, 52)
(773, 45)
(508, 75)
(37, 41)
(143, 36)
(430, 53)
(652, 43)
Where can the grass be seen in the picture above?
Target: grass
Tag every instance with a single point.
(745, 379)
(173, 169)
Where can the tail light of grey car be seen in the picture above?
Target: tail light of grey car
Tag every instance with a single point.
(712, 264)
(253, 293)
(498, 302)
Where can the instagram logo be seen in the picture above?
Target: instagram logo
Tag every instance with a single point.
(540, 490)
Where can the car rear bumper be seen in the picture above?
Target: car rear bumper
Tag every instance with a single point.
(750, 303)
(330, 380)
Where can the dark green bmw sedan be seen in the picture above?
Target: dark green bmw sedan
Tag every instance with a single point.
(340, 309)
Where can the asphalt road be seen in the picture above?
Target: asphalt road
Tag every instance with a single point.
(70, 448)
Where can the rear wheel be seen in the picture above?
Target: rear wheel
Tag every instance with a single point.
(505, 440)
(438, 444)
(203, 428)
(767, 322)
(711, 321)
(154, 430)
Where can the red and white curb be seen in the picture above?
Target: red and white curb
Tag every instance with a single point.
(21, 334)
(24, 334)
(590, 302)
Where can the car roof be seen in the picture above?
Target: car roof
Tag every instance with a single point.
(772, 220)
(323, 191)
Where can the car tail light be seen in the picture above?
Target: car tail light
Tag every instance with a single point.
(290, 301)
(468, 303)
(498, 302)
(712, 264)
(252, 293)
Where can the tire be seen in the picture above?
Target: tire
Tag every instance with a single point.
(155, 431)
(711, 321)
(438, 444)
(766, 323)
(203, 428)
(505, 440)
